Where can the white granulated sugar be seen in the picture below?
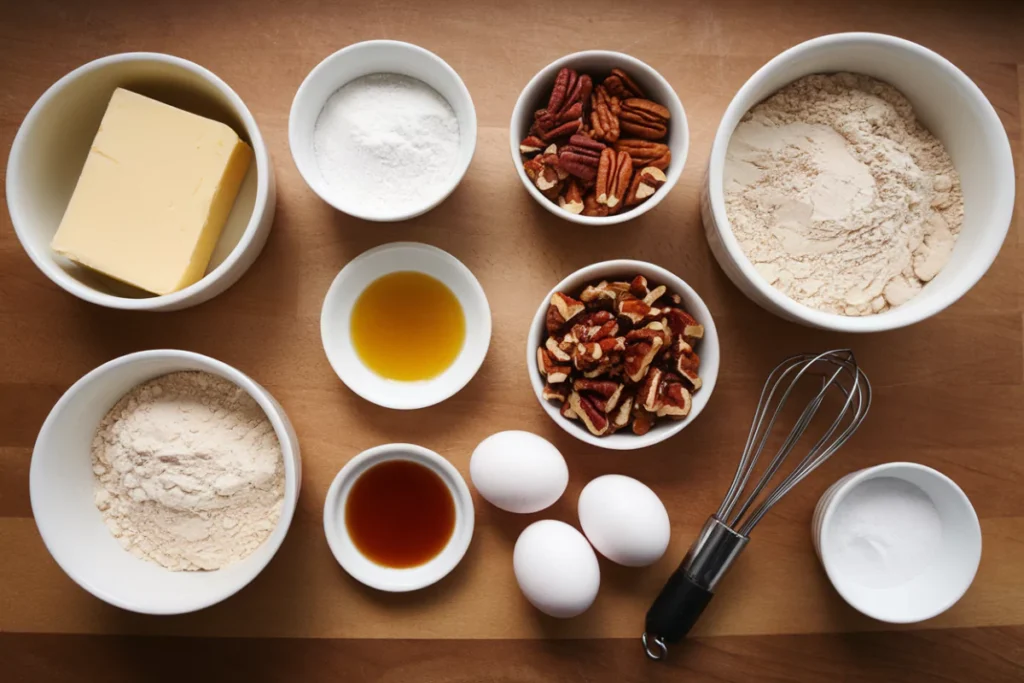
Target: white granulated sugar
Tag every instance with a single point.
(386, 143)
(839, 196)
(188, 472)
(884, 533)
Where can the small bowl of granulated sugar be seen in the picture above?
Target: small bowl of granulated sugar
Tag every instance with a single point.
(164, 481)
(858, 182)
(382, 130)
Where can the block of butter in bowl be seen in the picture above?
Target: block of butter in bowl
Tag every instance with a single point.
(154, 194)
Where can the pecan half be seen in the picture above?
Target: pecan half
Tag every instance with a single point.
(646, 153)
(645, 183)
(643, 118)
(621, 85)
(613, 175)
(564, 114)
(604, 115)
(581, 156)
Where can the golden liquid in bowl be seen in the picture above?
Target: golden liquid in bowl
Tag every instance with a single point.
(407, 326)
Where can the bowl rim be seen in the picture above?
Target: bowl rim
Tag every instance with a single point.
(597, 271)
(895, 318)
(416, 52)
(336, 291)
(630, 63)
(386, 578)
(45, 262)
(289, 454)
(895, 470)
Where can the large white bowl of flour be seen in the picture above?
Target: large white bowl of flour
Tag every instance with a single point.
(63, 489)
(948, 104)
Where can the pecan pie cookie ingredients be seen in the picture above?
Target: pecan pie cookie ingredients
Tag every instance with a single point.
(597, 150)
(620, 354)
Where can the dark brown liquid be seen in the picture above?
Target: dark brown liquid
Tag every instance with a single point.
(400, 514)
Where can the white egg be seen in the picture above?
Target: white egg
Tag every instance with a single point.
(556, 568)
(518, 471)
(624, 520)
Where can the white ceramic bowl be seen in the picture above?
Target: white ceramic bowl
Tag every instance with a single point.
(363, 59)
(947, 576)
(599, 63)
(52, 144)
(948, 103)
(360, 272)
(388, 578)
(707, 348)
(61, 489)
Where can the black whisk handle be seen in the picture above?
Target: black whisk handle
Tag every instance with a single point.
(675, 610)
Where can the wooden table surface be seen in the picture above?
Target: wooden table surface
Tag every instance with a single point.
(949, 391)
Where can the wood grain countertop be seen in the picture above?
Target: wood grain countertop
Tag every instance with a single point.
(949, 391)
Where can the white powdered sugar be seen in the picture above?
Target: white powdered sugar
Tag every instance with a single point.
(189, 472)
(839, 196)
(386, 143)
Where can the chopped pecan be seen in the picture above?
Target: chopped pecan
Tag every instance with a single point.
(613, 175)
(604, 115)
(567, 411)
(592, 208)
(531, 145)
(596, 421)
(639, 356)
(646, 153)
(604, 393)
(556, 392)
(603, 294)
(638, 287)
(675, 399)
(623, 413)
(649, 395)
(642, 420)
(572, 198)
(587, 356)
(546, 173)
(559, 351)
(686, 362)
(645, 183)
(643, 118)
(581, 157)
(655, 294)
(621, 85)
(595, 326)
(683, 324)
(650, 332)
(631, 308)
(566, 307)
(553, 372)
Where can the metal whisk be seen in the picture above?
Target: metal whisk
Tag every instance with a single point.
(725, 534)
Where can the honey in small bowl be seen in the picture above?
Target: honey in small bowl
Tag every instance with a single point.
(407, 326)
(400, 514)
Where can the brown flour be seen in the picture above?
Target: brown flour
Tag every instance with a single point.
(839, 196)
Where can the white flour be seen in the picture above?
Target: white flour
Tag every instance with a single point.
(884, 533)
(387, 143)
(839, 196)
(189, 472)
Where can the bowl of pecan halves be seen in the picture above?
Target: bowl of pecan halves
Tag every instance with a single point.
(598, 137)
(623, 354)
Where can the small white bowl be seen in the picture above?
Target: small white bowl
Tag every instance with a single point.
(61, 489)
(948, 575)
(52, 144)
(388, 578)
(356, 276)
(707, 348)
(363, 59)
(948, 103)
(599, 63)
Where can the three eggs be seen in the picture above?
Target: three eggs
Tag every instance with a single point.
(555, 565)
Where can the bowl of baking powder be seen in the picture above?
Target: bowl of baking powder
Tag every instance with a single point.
(164, 481)
(900, 542)
(858, 182)
(382, 130)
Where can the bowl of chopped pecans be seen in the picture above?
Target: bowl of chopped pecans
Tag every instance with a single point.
(623, 354)
(598, 137)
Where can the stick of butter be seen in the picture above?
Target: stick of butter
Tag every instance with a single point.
(154, 194)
